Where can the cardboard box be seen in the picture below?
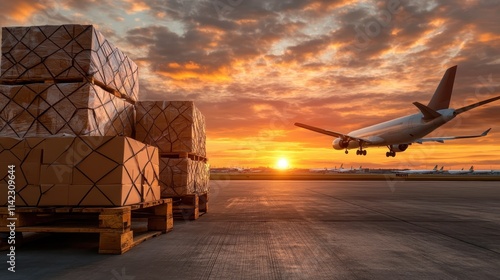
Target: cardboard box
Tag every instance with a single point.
(30, 166)
(183, 176)
(37, 195)
(54, 195)
(105, 195)
(66, 52)
(63, 109)
(55, 174)
(109, 170)
(26, 161)
(172, 126)
(28, 195)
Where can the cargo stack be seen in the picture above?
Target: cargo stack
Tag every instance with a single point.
(66, 117)
(177, 128)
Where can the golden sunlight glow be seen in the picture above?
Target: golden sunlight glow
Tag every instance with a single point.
(24, 10)
(282, 164)
(136, 7)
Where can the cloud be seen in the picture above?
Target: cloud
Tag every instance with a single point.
(18, 12)
(255, 67)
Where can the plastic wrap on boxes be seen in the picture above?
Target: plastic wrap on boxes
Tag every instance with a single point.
(80, 171)
(64, 108)
(183, 176)
(66, 52)
(172, 126)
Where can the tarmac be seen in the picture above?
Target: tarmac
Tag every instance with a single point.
(301, 230)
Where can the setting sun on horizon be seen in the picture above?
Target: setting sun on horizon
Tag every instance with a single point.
(282, 164)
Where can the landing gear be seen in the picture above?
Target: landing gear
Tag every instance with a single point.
(346, 151)
(390, 154)
(361, 152)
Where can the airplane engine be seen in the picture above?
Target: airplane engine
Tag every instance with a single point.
(338, 144)
(399, 147)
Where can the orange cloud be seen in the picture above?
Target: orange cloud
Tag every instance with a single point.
(488, 37)
(24, 11)
(137, 6)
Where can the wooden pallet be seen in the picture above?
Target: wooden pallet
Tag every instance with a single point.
(92, 80)
(190, 207)
(191, 156)
(112, 223)
(23, 81)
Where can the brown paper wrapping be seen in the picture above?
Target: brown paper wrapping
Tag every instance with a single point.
(183, 176)
(80, 171)
(172, 126)
(35, 110)
(66, 52)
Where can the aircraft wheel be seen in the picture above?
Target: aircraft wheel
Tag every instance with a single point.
(364, 152)
(346, 152)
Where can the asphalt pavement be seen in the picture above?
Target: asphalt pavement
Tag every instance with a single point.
(300, 230)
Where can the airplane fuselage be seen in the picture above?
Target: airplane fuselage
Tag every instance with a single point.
(399, 131)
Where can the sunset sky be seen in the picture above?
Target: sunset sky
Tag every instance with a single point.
(256, 67)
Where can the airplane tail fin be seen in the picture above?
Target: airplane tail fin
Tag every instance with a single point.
(442, 95)
(435, 168)
(471, 169)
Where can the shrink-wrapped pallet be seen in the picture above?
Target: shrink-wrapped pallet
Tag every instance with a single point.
(34, 110)
(183, 176)
(172, 126)
(66, 52)
(80, 171)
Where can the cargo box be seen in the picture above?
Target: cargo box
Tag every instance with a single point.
(172, 126)
(84, 109)
(183, 176)
(66, 52)
(96, 171)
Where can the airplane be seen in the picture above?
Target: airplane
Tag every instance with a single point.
(318, 170)
(484, 171)
(344, 170)
(462, 171)
(326, 170)
(398, 134)
(422, 171)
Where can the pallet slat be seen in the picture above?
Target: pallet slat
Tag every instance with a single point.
(189, 207)
(113, 224)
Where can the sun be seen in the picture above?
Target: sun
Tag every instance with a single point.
(282, 164)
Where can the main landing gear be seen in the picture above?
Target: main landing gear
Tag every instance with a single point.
(361, 152)
(390, 153)
(358, 152)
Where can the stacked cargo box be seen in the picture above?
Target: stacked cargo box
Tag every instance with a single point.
(177, 128)
(66, 115)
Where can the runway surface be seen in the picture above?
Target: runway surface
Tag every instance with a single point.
(302, 230)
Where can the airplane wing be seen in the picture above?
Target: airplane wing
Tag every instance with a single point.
(331, 133)
(442, 139)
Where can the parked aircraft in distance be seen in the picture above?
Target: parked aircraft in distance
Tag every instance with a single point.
(422, 171)
(483, 171)
(398, 134)
(326, 170)
(345, 170)
(462, 171)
